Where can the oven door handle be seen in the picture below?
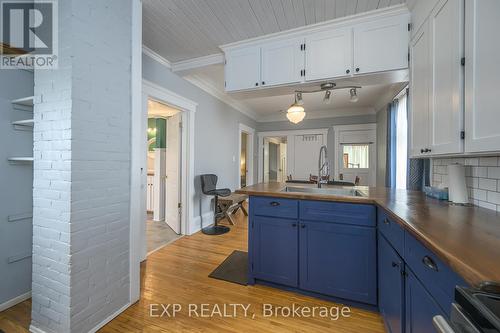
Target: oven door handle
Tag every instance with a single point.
(442, 325)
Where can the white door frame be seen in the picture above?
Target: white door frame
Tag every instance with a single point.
(250, 153)
(373, 148)
(290, 148)
(139, 168)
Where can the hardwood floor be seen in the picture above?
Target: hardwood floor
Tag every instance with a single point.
(178, 274)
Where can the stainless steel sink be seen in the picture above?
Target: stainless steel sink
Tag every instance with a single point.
(328, 191)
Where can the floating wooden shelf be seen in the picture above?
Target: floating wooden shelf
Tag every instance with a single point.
(24, 123)
(20, 159)
(25, 101)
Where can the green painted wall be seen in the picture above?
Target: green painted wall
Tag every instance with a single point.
(157, 133)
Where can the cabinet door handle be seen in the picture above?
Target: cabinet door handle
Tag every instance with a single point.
(302, 226)
(274, 203)
(294, 225)
(427, 261)
(347, 71)
(386, 221)
(263, 82)
(395, 264)
(422, 151)
(256, 84)
(357, 69)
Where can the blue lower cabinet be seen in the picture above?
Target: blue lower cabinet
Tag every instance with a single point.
(275, 250)
(390, 286)
(420, 307)
(338, 260)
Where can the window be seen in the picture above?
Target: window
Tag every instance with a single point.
(356, 156)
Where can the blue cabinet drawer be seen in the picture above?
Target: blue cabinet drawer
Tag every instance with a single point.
(391, 230)
(337, 212)
(436, 276)
(275, 207)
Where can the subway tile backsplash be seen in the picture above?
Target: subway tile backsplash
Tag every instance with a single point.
(482, 178)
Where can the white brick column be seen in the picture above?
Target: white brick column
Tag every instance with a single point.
(82, 170)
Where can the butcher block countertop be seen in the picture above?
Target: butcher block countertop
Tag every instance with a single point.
(466, 238)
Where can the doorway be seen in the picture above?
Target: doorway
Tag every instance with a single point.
(245, 169)
(355, 154)
(275, 159)
(164, 160)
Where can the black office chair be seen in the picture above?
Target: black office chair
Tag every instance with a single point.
(209, 187)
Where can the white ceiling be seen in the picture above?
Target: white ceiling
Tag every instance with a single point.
(157, 109)
(185, 29)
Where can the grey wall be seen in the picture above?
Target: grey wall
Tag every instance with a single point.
(216, 131)
(16, 184)
(381, 146)
(316, 124)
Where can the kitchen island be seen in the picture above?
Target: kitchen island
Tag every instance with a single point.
(395, 250)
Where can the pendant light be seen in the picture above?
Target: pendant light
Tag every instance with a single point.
(296, 112)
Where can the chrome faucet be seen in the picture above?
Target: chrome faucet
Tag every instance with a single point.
(323, 169)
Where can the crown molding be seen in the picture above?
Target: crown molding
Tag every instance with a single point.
(152, 54)
(185, 65)
(220, 95)
(321, 26)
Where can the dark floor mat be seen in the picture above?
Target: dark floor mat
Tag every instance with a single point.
(233, 269)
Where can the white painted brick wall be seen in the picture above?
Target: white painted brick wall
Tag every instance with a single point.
(82, 170)
(482, 178)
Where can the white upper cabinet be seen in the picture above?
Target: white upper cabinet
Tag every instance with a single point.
(419, 93)
(446, 106)
(242, 68)
(282, 62)
(328, 54)
(482, 76)
(324, 51)
(381, 45)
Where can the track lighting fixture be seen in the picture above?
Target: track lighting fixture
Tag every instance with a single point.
(296, 111)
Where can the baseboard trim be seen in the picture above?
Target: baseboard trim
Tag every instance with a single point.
(195, 225)
(34, 329)
(110, 318)
(16, 300)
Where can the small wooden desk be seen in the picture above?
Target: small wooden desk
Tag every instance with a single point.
(229, 205)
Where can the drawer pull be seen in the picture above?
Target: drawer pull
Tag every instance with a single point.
(294, 225)
(386, 221)
(395, 264)
(427, 261)
(302, 226)
(274, 203)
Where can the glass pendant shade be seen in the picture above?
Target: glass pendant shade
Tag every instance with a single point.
(295, 113)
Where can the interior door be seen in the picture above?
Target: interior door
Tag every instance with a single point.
(329, 54)
(381, 45)
(282, 62)
(419, 92)
(446, 115)
(173, 172)
(482, 75)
